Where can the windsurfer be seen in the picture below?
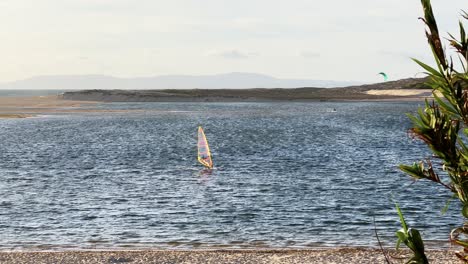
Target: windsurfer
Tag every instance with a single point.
(204, 155)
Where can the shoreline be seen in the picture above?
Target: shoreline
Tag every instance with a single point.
(329, 255)
(250, 95)
(26, 107)
(9, 116)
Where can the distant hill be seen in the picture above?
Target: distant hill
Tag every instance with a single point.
(233, 80)
(254, 94)
(409, 83)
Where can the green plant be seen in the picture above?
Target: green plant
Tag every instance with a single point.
(412, 239)
(442, 124)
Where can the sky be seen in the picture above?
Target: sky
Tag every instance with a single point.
(299, 39)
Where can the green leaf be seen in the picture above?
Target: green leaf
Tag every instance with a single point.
(402, 237)
(462, 32)
(428, 68)
(414, 171)
(402, 219)
(465, 210)
(416, 239)
(450, 109)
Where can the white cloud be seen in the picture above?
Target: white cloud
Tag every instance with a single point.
(232, 54)
(309, 54)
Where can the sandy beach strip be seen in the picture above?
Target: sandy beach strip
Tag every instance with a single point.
(3, 115)
(333, 255)
(40, 102)
(411, 93)
(23, 107)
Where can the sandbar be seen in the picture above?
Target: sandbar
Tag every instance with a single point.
(86, 101)
(39, 102)
(24, 107)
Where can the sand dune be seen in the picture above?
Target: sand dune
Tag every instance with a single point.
(402, 92)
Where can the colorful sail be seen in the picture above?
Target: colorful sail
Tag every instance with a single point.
(385, 76)
(204, 154)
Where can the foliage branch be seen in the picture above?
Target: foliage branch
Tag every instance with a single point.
(443, 124)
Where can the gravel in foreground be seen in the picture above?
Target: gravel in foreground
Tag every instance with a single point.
(337, 255)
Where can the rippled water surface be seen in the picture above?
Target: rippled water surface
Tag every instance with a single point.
(286, 175)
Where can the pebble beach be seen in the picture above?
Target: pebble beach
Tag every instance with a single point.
(332, 255)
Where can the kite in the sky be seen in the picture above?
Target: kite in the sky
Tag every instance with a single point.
(384, 76)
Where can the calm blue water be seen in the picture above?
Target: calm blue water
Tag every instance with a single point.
(286, 175)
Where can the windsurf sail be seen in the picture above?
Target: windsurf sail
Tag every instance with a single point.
(204, 154)
(384, 75)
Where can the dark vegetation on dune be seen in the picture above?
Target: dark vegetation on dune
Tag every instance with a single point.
(256, 94)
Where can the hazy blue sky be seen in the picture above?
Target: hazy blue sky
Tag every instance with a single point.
(333, 39)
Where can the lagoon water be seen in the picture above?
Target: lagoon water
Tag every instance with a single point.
(286, 175)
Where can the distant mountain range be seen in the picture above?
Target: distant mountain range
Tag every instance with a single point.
(219, 81)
